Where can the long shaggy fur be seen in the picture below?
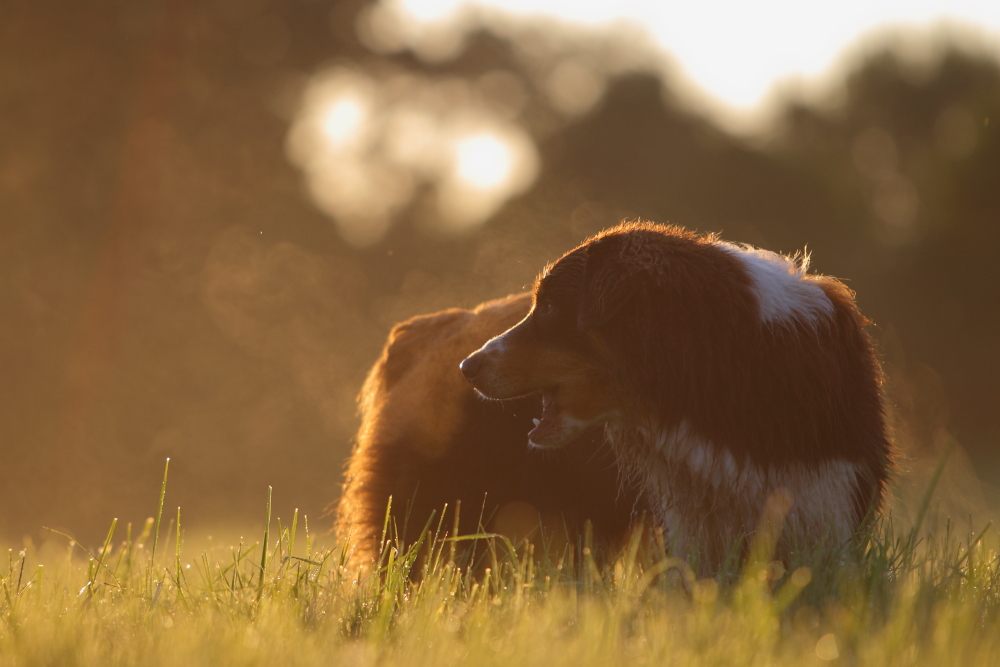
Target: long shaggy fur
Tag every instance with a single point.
(723, 374)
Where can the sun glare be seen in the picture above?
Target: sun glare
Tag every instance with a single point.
(731, 55)
(431, 10)
(483, 161)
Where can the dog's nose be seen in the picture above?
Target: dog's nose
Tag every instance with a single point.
(471, 366)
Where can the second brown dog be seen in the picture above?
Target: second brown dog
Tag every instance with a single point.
(427, 439)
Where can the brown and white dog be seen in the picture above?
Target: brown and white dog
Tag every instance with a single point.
(723, 375)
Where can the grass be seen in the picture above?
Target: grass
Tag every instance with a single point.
(892, 597)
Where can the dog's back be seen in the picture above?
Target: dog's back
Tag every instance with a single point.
(427, 439)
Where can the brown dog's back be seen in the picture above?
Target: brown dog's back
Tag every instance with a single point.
(427, 439)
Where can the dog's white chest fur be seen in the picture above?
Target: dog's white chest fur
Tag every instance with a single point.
(707, 499)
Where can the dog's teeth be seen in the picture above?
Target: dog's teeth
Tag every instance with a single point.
(537, 421)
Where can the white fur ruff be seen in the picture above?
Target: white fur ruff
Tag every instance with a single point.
(782, 287)
(688, 478)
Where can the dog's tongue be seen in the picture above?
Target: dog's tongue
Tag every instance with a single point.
(545, 427)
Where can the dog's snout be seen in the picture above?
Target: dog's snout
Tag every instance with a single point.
(471, 366)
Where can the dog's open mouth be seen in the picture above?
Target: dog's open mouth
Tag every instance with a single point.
(549, 428)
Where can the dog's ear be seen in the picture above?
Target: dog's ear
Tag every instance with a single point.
(608, 284)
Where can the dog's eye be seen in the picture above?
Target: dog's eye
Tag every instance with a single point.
(546, 308)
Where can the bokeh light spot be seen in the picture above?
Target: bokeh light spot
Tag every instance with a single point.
(343, 121)
(369, 143)
(484, 161)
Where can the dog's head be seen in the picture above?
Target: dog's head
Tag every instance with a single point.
(548, 352)
(574, 341)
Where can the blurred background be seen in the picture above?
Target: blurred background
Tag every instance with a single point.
(212, 213)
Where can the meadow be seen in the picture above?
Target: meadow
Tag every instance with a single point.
(891, 597)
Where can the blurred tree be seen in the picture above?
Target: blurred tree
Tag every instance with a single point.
(909, 163)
